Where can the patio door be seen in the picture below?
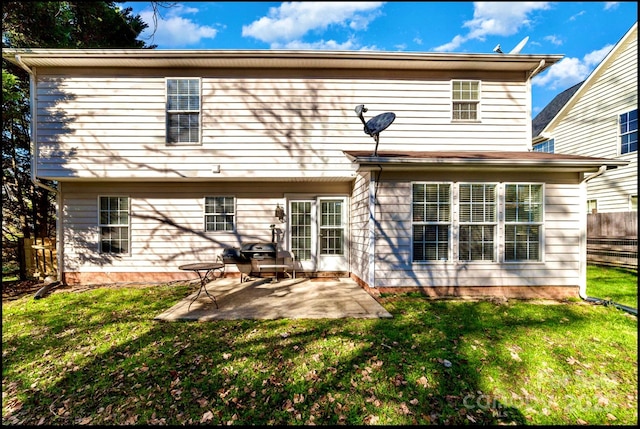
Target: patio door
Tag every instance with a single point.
(317, 233)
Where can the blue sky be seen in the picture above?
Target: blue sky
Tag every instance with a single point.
(584, 32)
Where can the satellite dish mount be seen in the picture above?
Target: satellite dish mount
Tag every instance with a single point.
(375, 125)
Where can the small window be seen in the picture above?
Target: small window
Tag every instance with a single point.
(431, 221)
(114, 224)
(592, 206)
(219, 214)
(523, 222)
(633, 203)
(183, 111)
(466, 99)
(477, 222)
(545, 146)
(629, 132)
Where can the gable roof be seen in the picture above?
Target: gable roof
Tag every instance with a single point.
(551, 110)
(590, 81)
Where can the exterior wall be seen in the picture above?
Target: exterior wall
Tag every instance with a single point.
(360, 229)
(591, 128)
(167, 226)
(558, 275)
(106, 123)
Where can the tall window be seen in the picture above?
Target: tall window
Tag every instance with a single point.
(477, 222)
(633, 203)
(431, 221)
(114, 224)
(466, 99)
(592, 206)
(183, 110)
(629, 132)
(545, 146)
(219, 213)
(523, 222)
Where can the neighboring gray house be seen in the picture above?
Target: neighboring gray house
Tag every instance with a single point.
(599, 117)
(163, 158)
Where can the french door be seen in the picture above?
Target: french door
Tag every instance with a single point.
(317, 231)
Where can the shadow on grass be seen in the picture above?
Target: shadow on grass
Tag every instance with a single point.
(98, 358)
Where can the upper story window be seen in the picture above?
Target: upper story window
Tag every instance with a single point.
(183, 111)
(114, 224)
(629, 132)
(545, 146)
(466, 100)
(219, 213)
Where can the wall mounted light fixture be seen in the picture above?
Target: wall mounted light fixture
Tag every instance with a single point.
(280, 214)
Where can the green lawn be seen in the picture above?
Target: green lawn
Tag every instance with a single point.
(616, 284)
(97, 357)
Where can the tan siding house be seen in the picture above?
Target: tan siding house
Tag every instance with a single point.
(598, 120)
(163, 158)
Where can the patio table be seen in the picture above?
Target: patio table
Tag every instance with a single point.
(204, 269)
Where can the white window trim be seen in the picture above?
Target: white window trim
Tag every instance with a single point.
(451, 235)
(499, 231)
(100, 225)
(542, 223)
(166, 111)
(478, 101)
(204, 214)
(457, 223)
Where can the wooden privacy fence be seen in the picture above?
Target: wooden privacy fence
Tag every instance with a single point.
(40, 257)
(612, 239)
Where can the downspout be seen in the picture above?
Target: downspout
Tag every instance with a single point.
(582, 290)
(34, 160)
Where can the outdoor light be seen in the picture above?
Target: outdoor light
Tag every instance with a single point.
(280, 213)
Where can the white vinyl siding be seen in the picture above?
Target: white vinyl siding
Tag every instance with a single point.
(256, 127)
(560, 245)
(591, 126)
(166, 222)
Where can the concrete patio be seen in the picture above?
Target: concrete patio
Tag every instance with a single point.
(301, 298)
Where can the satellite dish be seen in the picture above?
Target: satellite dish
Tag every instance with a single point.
(519, 46)
(375, 125)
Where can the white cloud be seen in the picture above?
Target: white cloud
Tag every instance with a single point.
(569, 71)
(553, 39)
(611, 5)
(173, 30)
(290, 21)
(495, 19)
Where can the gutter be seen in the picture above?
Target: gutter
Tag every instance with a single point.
(34, 161)
(582, 290)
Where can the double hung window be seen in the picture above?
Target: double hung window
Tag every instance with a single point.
(466, 100)
(431, 221)
(113, 224)
(477, 222)
(467, 221)
(219, 213)
(183, 111)
(629, 132)
(523, 222)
